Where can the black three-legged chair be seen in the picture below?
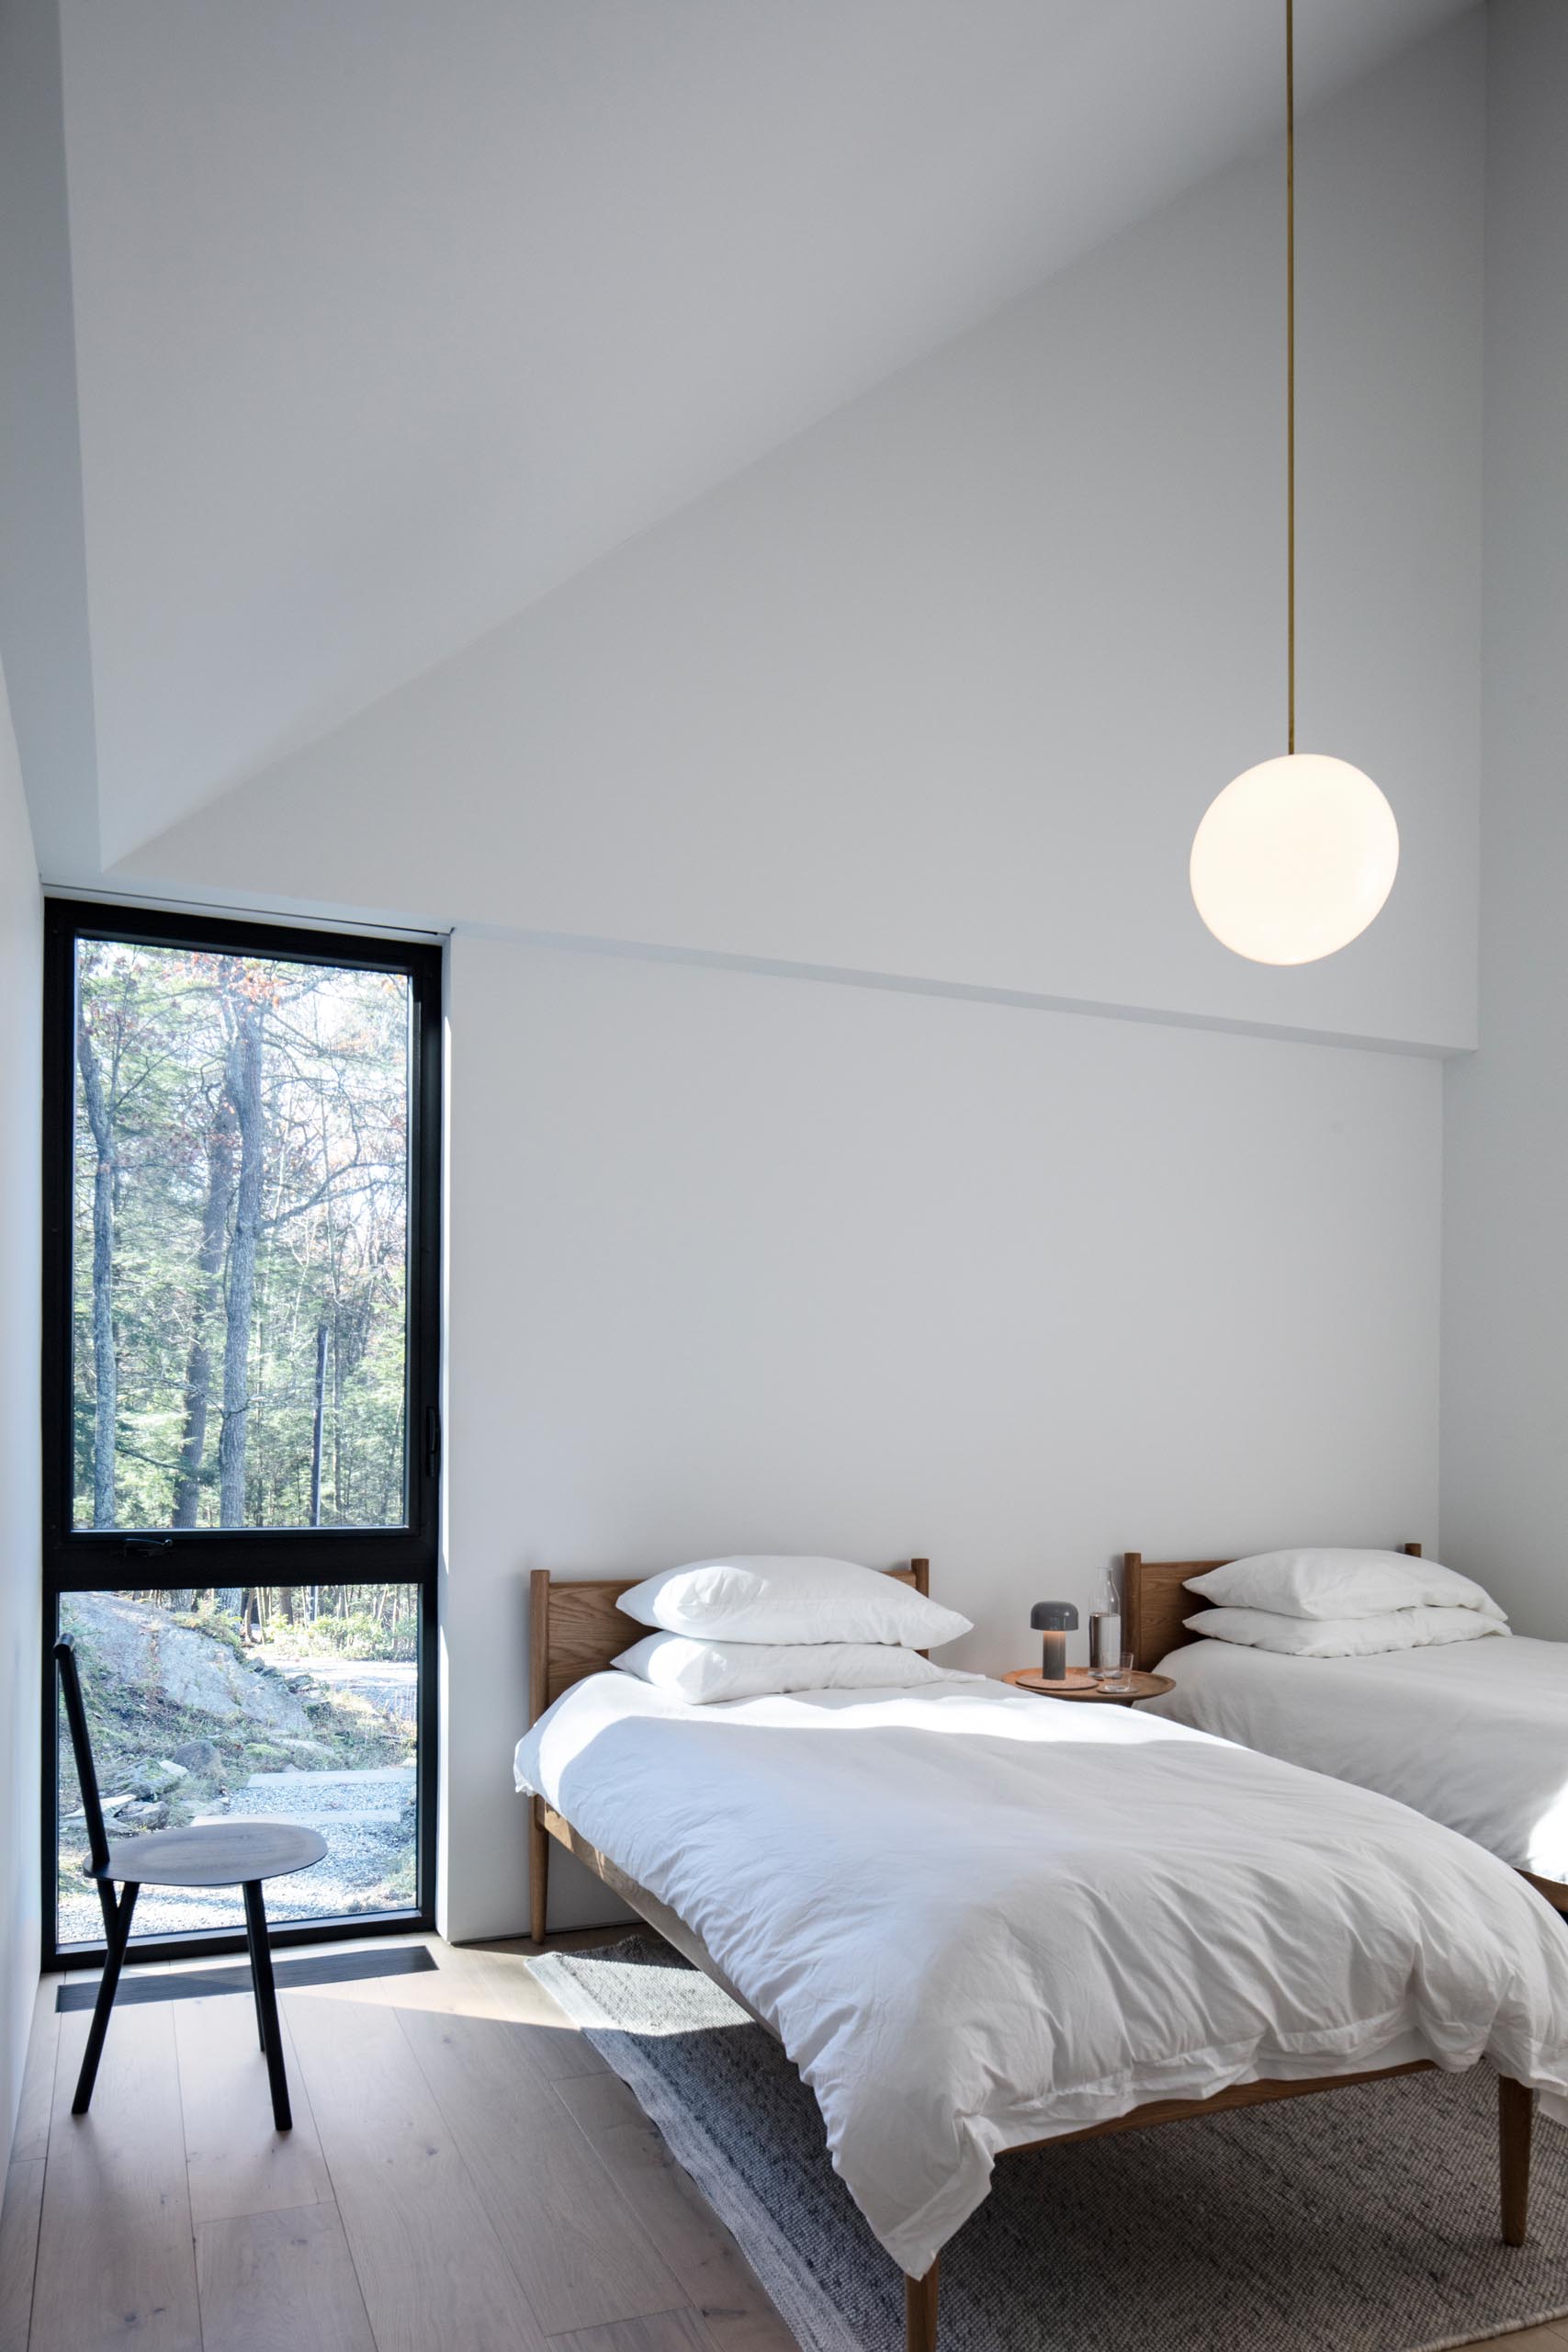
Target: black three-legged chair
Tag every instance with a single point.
(217, 1853)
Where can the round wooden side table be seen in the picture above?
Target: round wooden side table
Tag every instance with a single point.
(1082, 1685)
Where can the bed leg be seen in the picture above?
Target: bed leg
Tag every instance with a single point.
(538, 1872)
(919, 2312)
(1515, 2119)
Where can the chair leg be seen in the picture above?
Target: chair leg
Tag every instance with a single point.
(117, 1935)
(256, 1996)
(266, 2004)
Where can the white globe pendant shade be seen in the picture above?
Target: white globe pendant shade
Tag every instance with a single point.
(1294, 859)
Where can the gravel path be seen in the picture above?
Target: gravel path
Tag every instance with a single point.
(387, 1683)
(366, 1818)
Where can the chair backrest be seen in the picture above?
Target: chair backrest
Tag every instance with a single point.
(76, 1716)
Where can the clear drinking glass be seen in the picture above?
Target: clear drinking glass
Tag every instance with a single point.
(1120, 1676)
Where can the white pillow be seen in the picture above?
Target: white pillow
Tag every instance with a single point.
(1397, 1629)
(1338, 1584)
(704, 1672)
(774, 1600)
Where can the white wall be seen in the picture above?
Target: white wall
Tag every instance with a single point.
(43, 570)
(942, 688)
(1505, 1269)
(751, 1262)
(21, 953)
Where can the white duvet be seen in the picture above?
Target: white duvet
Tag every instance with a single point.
(1476, 1735)
(978, 1919)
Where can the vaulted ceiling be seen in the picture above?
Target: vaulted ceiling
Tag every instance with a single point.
(352, 330)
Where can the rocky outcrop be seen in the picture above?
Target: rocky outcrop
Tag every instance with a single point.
(144, 1646)
(143, 1817)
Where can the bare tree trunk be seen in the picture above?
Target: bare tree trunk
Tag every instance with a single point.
(340, 1512)
(316, 1434)
(105, 1374)
(246, 1014)
(210, 1269)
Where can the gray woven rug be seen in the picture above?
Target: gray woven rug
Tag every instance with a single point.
(1365, 2221)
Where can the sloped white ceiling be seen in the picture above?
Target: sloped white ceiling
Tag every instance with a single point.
(937, 692)
(390, 315)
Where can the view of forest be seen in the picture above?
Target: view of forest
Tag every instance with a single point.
(240, 1240)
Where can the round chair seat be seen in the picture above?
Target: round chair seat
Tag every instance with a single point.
(213, 1853)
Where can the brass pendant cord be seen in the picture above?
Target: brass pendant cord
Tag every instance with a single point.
(1291, 374)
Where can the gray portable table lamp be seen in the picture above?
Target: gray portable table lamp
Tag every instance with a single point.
(1053, 1621)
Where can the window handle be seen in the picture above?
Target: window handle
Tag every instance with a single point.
(432, 1441)
(148, 1542)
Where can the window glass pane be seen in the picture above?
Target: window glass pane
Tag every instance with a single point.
(296, 1703)
(240, 1245)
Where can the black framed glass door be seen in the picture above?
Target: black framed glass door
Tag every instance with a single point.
(240, 1436)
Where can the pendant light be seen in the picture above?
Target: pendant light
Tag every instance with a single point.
(1297, 856)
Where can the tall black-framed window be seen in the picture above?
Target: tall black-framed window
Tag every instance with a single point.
(239, 1411)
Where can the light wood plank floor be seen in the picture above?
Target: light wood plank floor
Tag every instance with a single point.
(464, 2176)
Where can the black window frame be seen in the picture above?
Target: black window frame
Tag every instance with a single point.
(98, 1560)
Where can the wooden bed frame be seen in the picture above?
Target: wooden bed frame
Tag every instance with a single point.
(1156, 1605)
(576, 1629)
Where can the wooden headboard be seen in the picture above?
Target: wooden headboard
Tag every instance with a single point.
(575, 1628)
(1155, 1603)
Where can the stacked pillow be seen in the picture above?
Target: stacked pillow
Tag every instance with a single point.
(1341, 1604)
(743, 1627)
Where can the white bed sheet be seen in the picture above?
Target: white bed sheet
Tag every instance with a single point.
(978, 1919)
(1475, 1735)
